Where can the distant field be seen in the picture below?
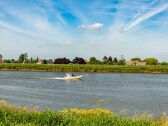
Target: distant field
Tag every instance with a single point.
(85, 68)
(14, 116)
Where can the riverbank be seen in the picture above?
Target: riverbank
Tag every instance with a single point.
(84, 68)
(21, 116)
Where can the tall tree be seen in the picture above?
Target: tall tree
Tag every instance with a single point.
(122, 58)
(31, 60)
(121, 61)
(115, 61)
(110, 60)
(78, 60)
(23, 58)
(37, 60)
(105, 60)
(1, 56)
(62, 61)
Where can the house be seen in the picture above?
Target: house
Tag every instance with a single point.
(51, 61)
(135, 63)
(40, 62)
(86, 61)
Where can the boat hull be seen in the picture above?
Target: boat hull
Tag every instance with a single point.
(73, 78)
(70, 78)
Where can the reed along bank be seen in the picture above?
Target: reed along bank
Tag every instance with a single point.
(85, 68)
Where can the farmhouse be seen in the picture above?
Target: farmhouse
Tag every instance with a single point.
(135, 63)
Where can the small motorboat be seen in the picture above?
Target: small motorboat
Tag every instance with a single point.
(70, 77)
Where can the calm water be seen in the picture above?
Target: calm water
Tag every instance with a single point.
(122, 93)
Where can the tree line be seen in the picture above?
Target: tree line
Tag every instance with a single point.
(24, 58)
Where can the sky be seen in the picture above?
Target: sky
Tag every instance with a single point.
(84, 28)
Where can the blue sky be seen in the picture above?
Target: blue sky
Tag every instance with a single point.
(84, 28)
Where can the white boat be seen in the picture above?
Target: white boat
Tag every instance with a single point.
(70, 77)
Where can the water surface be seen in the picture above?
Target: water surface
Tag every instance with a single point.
(122, 93)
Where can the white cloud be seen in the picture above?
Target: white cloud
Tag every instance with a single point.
(12, 28)
(94, 26)
(144, 17)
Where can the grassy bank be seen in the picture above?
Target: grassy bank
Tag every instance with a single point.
(85, 68)
(14, 116)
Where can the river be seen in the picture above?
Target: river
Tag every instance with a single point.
(121, 93)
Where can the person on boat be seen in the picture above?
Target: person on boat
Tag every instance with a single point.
(73, 75)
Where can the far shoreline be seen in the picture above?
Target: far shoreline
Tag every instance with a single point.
(27, 70)
(157, 69)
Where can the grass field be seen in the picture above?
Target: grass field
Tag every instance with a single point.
(21, 116)
(85, 68)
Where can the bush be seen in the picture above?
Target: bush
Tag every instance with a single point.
(12, 116)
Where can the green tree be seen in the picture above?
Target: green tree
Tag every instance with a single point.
(115, 61)
(1, 56)
(121, 61)
(122, 58)
(110, 60)
(13, 61)
(164, 63)
(136, 59)
(37, 60)
(7, 61)
(31, 60)
(23, 58)
(93, 60)
(105, 60)
(151, 61)
(44, 61)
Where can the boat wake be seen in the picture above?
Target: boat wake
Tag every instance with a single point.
(27, 78)
(67, 77)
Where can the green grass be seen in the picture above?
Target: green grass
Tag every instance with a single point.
(14, 116)
(85, 68)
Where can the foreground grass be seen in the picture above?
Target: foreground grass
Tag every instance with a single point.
(85, 68)
(13, 116)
